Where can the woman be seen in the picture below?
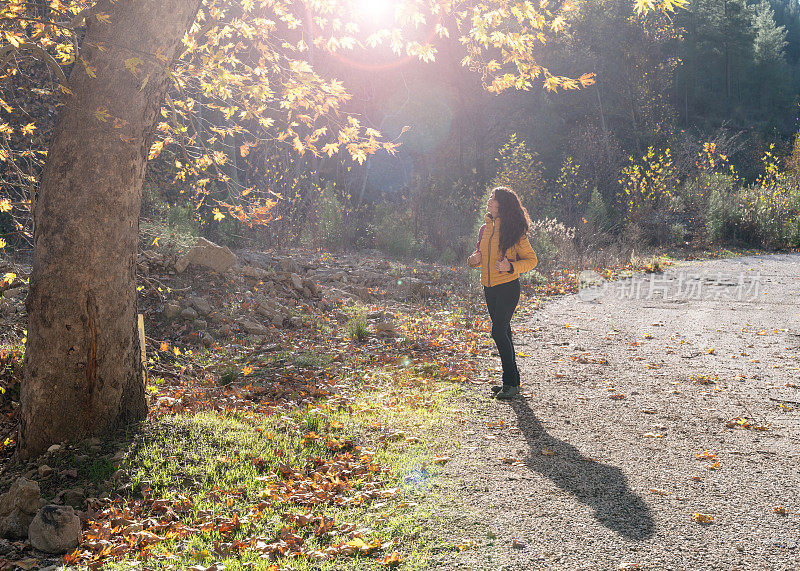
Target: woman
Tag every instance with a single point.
(503, 252)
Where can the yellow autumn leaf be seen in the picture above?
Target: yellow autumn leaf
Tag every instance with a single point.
(155, 150)
(155, 241)
(5, 205)
(164, 346)
(90, 70)
(102, 114)
(218, 215)
(132, 64)
(702, 518)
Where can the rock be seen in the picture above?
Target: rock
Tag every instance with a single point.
(367, 277)
(363, 293)
(296, 282)
(201, 304)
(200, 324)
(341, 317)
(207, 340)
(335, 295)
(188, 314)
(311, 286)
(45, 471)
(385, 328)
(172, 310)
(288, 265)
(253, 272)
(412, 288)
(74, 497)
(55, 529)
(331, 276)
(18, 506)
(277, 320)
(15, 292)
(252, 327)
(296, 321)
(152, 257)
(208, 255)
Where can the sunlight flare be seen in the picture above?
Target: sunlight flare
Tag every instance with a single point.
(377, 12)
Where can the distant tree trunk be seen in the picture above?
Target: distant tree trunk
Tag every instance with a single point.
(82, 371)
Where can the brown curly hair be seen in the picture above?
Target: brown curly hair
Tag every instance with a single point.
(516, 221)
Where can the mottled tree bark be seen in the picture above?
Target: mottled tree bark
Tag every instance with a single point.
(82, 371)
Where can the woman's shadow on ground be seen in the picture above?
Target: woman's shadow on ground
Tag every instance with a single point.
(602, 487)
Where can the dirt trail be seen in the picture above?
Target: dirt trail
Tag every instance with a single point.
(608, 474)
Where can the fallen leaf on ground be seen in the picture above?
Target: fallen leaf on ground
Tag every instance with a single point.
(392, 560)
(702, 518)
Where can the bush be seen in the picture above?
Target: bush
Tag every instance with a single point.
(721, 220)
(678, 233)
(520, 170)
(554, 244)
(330, 218)
(598, 213)
(571, 195)
(357, 328)
(393, 232)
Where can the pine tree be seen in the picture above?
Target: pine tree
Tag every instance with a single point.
(769, 42)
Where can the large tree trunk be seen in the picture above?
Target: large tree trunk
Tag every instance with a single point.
(82, 371)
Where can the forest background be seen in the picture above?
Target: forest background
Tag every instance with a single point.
(686, 136)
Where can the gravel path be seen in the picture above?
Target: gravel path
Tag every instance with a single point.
(623, 390)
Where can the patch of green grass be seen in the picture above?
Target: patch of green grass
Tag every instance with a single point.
(228, 375)
(303, 359)
(97, 469)
(201, 456)
(357, 328)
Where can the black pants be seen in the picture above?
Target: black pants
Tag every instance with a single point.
(502, 300)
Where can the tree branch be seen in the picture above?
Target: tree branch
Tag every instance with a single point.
(7, 52)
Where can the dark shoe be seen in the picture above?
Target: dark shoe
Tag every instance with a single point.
(507, 392)
(496, 389)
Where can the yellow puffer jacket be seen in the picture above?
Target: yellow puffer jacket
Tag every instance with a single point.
(521, 255)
